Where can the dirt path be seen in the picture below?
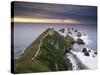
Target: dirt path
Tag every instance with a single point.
(39, 47)
(56, 66)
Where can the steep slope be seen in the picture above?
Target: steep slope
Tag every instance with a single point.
(46, 53)
(70, 41)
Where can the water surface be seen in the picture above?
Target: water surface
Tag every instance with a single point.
(26, 33)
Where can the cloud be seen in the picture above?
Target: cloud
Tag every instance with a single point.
(43, 20)
(86, 14)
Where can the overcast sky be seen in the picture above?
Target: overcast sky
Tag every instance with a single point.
(83, 14)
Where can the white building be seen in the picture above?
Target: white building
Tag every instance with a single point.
(51, 30)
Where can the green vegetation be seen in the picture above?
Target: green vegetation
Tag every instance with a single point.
(50, 56)
(70, 41)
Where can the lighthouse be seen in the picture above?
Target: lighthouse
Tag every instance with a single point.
(51, 30)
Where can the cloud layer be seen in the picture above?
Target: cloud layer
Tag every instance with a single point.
(83, 14)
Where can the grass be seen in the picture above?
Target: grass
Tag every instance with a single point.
(50, 57)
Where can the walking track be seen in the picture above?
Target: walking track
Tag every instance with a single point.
(38, 50)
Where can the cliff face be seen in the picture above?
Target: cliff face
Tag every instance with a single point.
(46, 53)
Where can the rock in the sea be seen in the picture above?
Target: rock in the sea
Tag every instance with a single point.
(86, 53)
(62, 30)
(93, 56)
(84, 50)
(75, 31)
(72, 28)
(69, 32)
(95, 53)
(89, 50)
(80, 41)
(78, 34)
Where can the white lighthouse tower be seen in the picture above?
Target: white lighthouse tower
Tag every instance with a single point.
(51, 30)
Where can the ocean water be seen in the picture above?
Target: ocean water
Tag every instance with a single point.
(26, 33)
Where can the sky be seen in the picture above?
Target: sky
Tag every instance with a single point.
(29, 16)
(54, 13)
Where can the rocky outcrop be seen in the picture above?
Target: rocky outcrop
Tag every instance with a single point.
(62, 30)
(85, 51)
(69, 32)
(80, 41)
(72, 28)
(75, 30)
(78, 34)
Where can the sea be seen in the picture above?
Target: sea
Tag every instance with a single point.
(26, 33)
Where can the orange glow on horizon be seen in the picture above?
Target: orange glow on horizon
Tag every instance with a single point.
(43, 20)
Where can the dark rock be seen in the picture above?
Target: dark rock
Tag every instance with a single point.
(87, 54)
(84, 50)
(72, 28)
(80, 41)
(89, 50)
(78, 34)
(69, 32)
(62, 30)
(75, 31)
(68, 28)
(93, 56)
(95, 53)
